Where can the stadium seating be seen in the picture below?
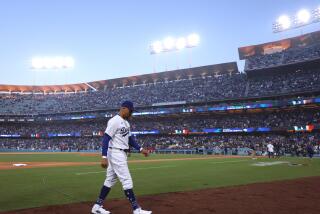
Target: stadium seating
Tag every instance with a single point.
(216, 143)
(194, 90)
(289, 56)
(168, 138)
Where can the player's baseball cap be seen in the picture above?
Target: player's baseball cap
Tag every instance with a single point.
(128, 104)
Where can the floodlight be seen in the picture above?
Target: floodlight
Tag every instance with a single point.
(58, 62)
(68, 62)
(193, 40)
(168, 43)
(47, 62)
(156, 47)
(303, 16)
(172, 44)
(52, 62)
(284, 21)
(36, 63)
(181, 43)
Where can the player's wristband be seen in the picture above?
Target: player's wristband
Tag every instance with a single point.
(104, 157)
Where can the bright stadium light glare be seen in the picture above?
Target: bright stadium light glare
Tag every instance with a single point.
(69, 62)
(168, 43)
(37, 63)
(58, 62)
(47, 63)
(303, 16)
(156, 47)
(181, 43)
(193, 40)
(284, 21)
(52, 62)
(172, 44)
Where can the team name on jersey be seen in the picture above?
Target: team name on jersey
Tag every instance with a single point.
(123, 131)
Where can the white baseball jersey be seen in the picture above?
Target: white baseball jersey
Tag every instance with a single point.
(270, 147)
(119, 130)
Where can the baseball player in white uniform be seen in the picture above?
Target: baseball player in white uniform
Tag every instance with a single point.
(116, 142)
(270, 149)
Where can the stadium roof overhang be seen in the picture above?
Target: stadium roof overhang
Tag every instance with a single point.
(196, 72)
(44, 89)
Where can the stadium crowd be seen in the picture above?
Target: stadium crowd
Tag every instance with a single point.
(53, 144)
(289, 56)
(282, 119)
(250, 120)
(284, 83)
(194, 90)
(219, 143)
(293, 144)
(288, 144)
(191, 90)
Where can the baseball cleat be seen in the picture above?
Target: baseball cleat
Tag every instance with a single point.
(141, 211)
(97, 209)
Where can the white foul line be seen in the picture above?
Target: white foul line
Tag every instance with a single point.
(154, 167)
(238, 161)
(85, 173)
(159, 167)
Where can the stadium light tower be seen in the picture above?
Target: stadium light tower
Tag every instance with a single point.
(173, 44)
(302, 18)
(58, 62)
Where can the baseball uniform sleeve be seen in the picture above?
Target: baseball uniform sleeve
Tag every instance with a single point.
(133, 143)
(111, 128)
(105, 145)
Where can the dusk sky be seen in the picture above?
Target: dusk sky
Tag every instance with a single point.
(110, 39)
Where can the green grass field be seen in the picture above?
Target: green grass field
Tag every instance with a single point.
(25, 188)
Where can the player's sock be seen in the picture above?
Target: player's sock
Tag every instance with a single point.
(130, 195)
(103, 194)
